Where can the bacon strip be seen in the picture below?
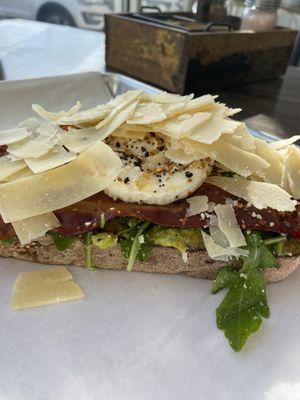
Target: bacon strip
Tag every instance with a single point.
(3, 150)
(85, 216)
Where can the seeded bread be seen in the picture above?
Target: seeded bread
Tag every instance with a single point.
(162, 259)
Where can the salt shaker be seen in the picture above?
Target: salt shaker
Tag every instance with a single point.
(260, 15)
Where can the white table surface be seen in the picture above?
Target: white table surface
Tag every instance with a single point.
(30, 49)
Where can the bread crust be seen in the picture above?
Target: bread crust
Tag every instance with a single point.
(162, 259)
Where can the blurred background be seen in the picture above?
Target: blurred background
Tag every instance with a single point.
(89, 14)
(247, 51)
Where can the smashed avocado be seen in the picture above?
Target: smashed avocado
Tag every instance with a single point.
(288, 247)
(104, 240)
(180, 238)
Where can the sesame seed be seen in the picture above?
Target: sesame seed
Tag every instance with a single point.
(188, 174)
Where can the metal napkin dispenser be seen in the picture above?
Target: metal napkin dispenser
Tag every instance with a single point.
(182, 54)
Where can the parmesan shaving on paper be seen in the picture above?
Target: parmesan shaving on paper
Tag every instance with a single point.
(44, 287)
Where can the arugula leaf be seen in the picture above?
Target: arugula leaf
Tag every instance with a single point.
(88, 251)
(245, 304)
(225, 278)
(62, 242)
(259, 255)
(102, 221)
(9, 240)
(137, 244)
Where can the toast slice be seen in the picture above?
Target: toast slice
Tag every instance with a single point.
(162, 259)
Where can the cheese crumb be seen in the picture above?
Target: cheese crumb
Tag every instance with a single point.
(142, 239)
(184, 257)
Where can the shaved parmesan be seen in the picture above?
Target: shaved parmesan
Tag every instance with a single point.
(228, 225)
(180, 157)
(31, 124)
(166, 97)
(122, 133)
(39, 288)
(41, 276)
(281, 144)
(203, 103)
(54, 116)
(273, 173)
(242, 139)
(29, 148)
(13, 135)
(87, 117)
(35, 227)
(47, 130)
(232, 111)
(198, 204)
(78, 140)
(90, 173)
(42, 295)
(198, 150)
(23, 173)
(119, 104)
(237, 160)
(54, 158)
(217, 252)
(260, 194)
(218, 236)
(214, 128)
(8, 167)
(147, 113)
(139, 128)
(292, 165)
(182, 128)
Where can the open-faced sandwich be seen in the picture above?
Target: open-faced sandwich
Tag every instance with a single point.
(155, 183)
